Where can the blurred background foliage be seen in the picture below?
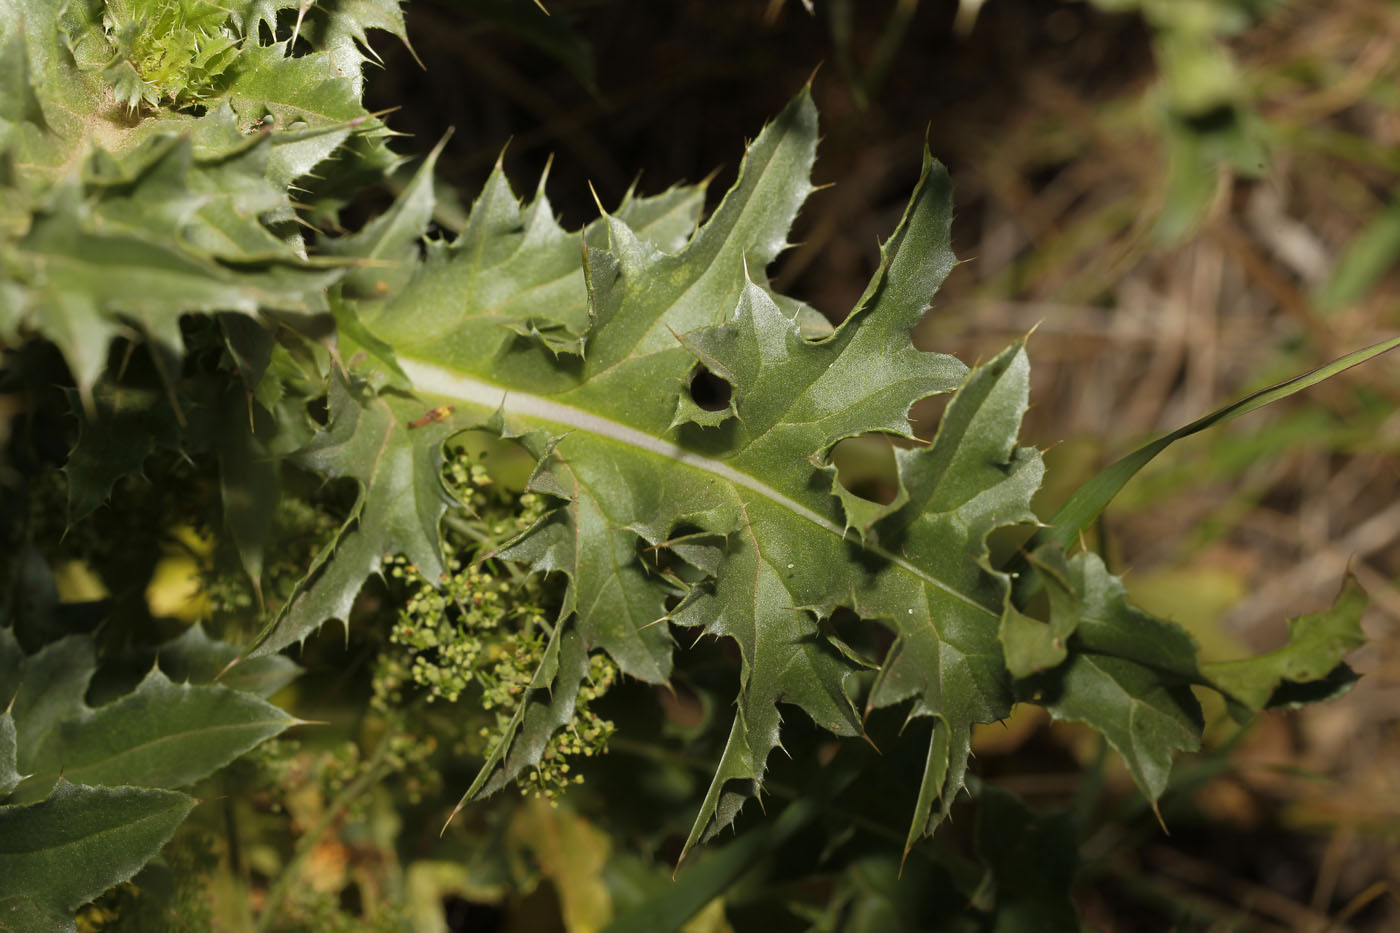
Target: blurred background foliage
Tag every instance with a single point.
(1185, 200)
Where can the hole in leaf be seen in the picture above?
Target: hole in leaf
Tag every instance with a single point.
(709, 391)
(865, 466)
(319, 411)
(509, 463)
(927, 415)
(862, 636)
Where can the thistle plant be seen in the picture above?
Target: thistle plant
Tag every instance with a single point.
(173, 50)
(164, 230)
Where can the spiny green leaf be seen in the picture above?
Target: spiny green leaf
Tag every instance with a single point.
(196, 658)
(511, 273)
(1145, 716)
(1128, 674)
(80, 841)
(632, 332)
(346, 25)
(117, 226)
(972, 480)
(45, 689)
(365, 354)
(756, 484)
(1316, 646)
(401, 501)
(306, 96)
(93, 270)
(160, 735)
(733, 522)
(389, 243)
(666, 220)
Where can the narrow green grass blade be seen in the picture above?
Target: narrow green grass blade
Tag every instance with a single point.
(1093, 497)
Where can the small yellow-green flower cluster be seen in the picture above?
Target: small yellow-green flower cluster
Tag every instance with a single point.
(586, 735)
(471, 485)
(483, 627)
(468, 481)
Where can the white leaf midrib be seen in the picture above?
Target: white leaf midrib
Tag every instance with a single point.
(435, 380)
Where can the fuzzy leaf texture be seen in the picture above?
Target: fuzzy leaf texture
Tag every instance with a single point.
(738, 513)
(64, 851)
(161, 734)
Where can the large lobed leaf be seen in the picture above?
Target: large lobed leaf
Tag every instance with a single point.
(162, 734)
(57, 854)
(730, 519)
(90, 791)
(736, 514)
(124, 208)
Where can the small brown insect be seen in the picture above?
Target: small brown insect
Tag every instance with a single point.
(437, 414)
